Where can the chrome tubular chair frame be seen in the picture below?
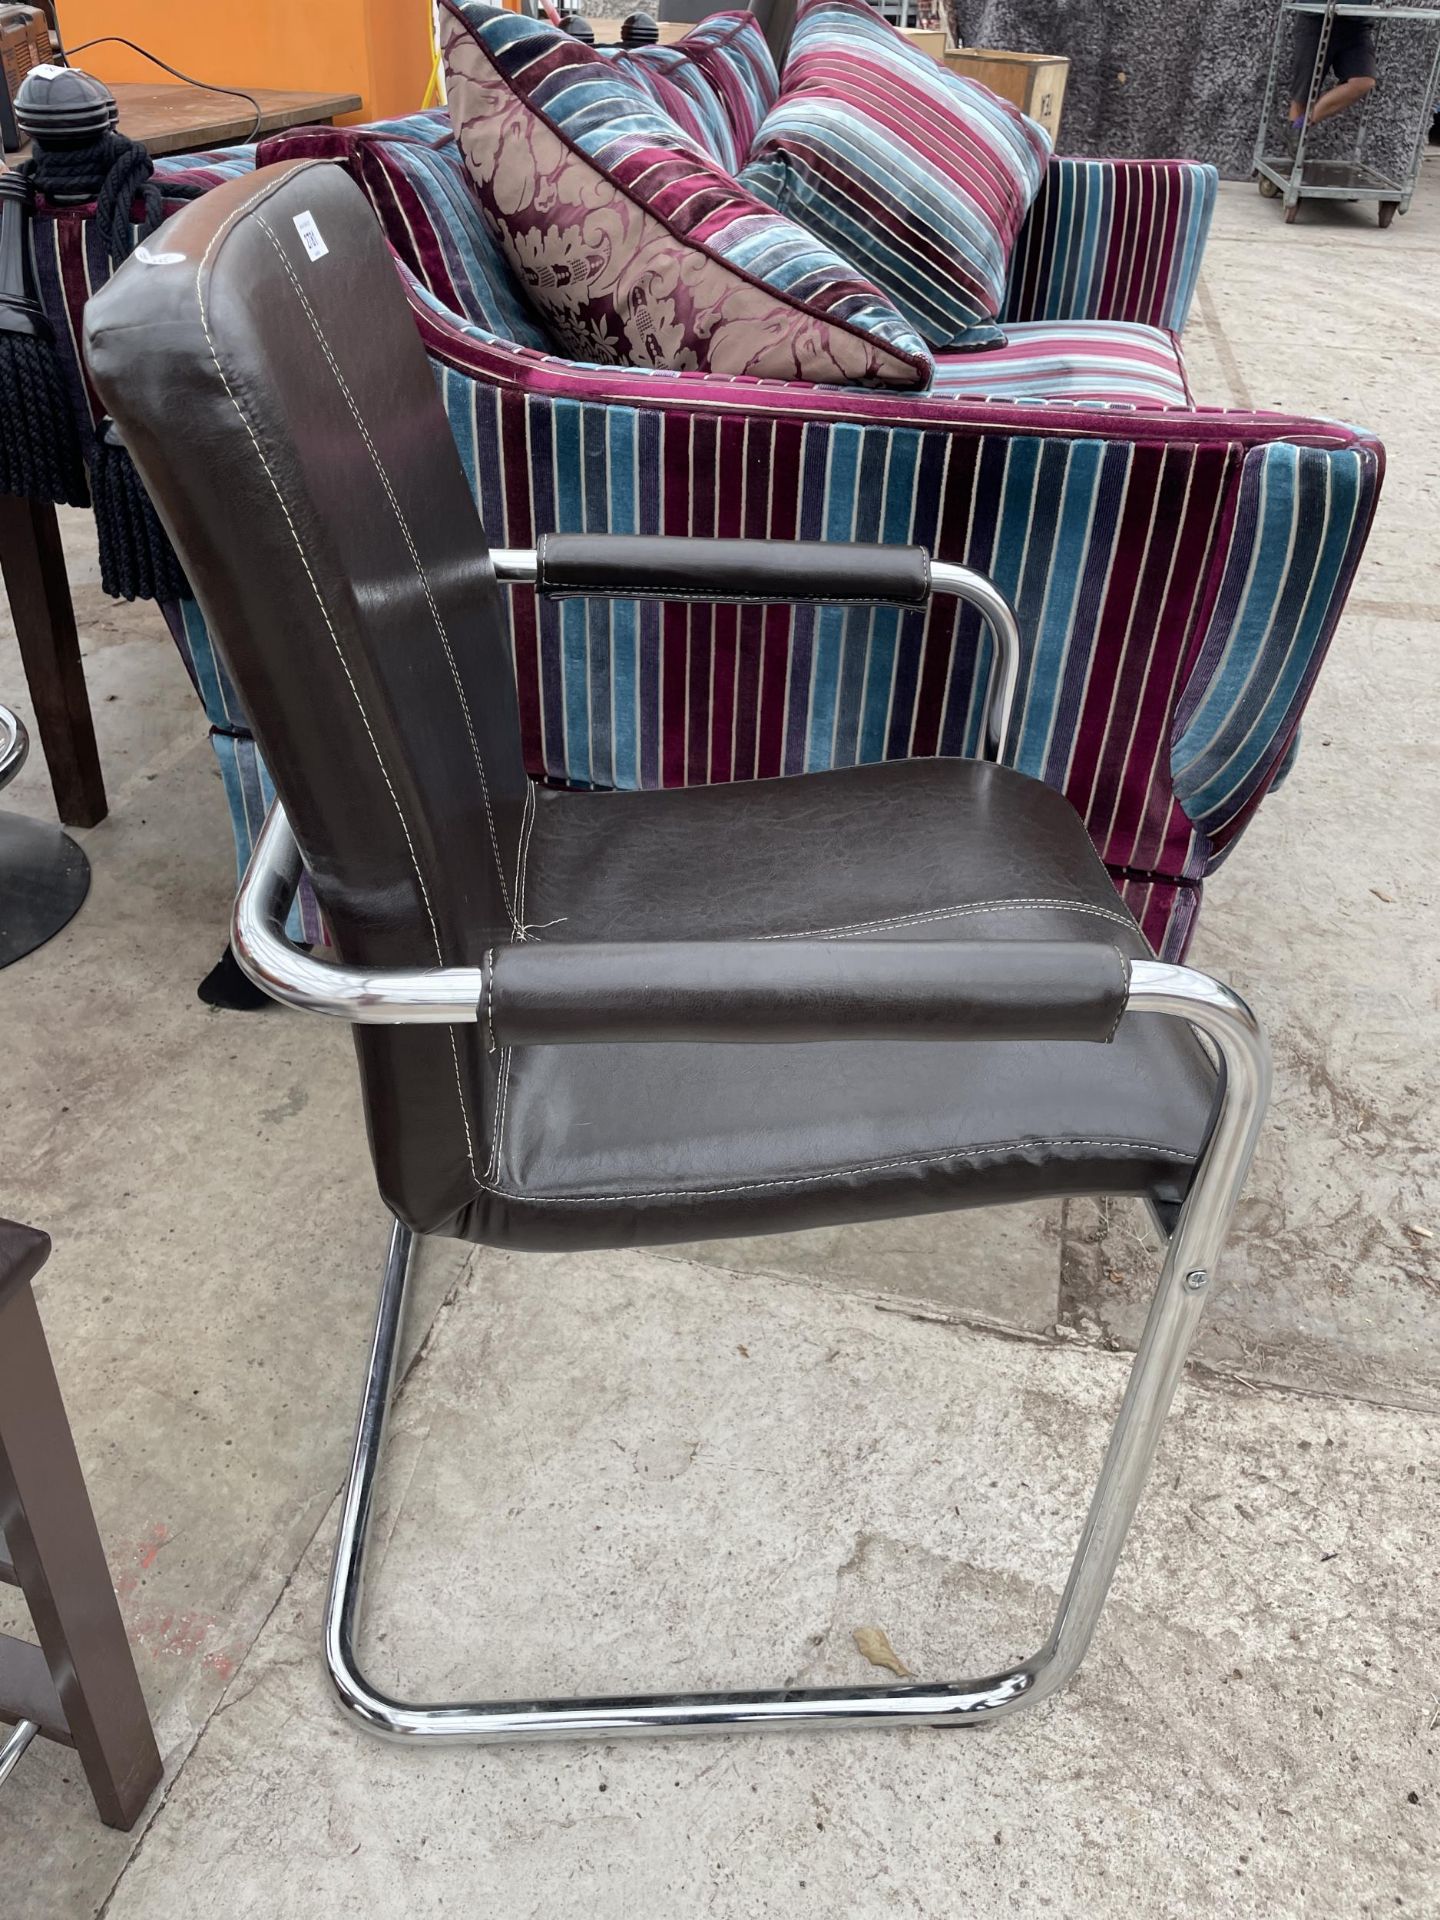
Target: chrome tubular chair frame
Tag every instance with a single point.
(517, 566)
(14, 746)
(452, 995)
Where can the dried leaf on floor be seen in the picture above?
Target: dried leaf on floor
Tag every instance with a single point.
(874, 1644)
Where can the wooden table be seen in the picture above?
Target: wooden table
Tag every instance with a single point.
(173, 119)
(166, 119)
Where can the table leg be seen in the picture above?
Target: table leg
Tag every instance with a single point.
(59, 1564)
(33, 564)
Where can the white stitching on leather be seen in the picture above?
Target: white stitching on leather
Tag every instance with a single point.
(952, 913)
(709, 596)
(1124, 994)
(502, 1101)
(523, 860)
(502, 1085)
(490, 1000)
(841, 1173)
(404, 527)
(214, 241)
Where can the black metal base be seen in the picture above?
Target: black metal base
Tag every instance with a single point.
(44, 878)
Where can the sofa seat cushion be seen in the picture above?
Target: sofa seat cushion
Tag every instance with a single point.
(636, 247)
(723, 74)
(1114, 361)
(920, 178)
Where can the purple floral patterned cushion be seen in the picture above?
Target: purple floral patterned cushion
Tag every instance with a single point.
(632, 243)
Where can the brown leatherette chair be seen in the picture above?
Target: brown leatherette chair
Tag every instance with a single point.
(616, 1019)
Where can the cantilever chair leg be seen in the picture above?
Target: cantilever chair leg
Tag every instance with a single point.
(1175, 1311)
(454, 995)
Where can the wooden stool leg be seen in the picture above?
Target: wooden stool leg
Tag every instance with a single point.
(33, 563)
(59, 1563)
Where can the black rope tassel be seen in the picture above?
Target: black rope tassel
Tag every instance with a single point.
(113, 172)
(40, 455)
(137, 561)
(77, 157)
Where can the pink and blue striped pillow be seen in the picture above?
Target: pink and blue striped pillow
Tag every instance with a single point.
(632, 243)
(724, 73)
(695, 108)
(921, 179)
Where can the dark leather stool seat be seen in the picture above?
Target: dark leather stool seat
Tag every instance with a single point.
(615, 1145)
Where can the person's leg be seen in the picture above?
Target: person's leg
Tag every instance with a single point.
(1352, 57)
(1339, 98)
(1302, 68)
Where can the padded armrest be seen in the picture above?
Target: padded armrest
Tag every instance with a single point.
(550, 993)
(630, 566)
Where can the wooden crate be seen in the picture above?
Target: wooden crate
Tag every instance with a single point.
(931, 40)
(1035, 82)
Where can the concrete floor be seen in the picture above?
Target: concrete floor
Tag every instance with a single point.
(710, 1467)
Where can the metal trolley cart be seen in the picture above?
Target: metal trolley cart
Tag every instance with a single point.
(1298, 178)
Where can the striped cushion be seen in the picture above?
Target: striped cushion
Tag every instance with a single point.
(683, 96)
(413, 176)
(1111, 361)
(921, 178)
(635, 247)
(415, 179)
(731, 51)
(723, 66)
(204, 170)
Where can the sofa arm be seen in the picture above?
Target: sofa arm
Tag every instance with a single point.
(202, 171)
(1113, 240)
(1278, 587)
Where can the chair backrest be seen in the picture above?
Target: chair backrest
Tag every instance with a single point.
(261, 360)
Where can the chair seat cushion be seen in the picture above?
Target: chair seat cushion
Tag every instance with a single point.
(629, 1145)
(631, 242)
(1110, 361)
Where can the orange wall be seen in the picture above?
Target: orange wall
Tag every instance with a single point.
(379, 49)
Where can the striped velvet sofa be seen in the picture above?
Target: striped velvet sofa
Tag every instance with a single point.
(1178, 570)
